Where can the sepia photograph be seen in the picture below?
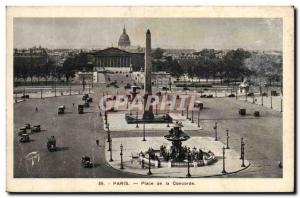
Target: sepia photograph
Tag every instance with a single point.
(142, 102)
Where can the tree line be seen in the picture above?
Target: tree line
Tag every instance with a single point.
(45, 68)
(231, 66)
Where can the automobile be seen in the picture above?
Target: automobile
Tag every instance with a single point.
(127, 86)
(36, 128)
(250, 94)
(231, 95)
(85, 96)
(186, 89)
(24, 138)
(165, 88)
(22, 131)
(80, 109)
(88, 99)
(27, 125)
(25, 96)
(51, 144)
(86, 162)
(242, 112)
(86, 104)
(61, 109)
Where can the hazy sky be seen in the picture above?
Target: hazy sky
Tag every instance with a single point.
(226, 33)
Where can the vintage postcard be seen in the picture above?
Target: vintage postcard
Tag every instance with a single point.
(150, 99)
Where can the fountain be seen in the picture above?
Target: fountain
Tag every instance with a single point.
(177, 154)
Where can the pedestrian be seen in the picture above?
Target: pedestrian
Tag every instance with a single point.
(36, 109)
(73, 104)
(97, 142)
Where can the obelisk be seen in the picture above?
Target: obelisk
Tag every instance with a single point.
(148, 113)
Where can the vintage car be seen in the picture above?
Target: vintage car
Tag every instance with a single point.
(86, 104)
(80, 109)
(27, 125)
(51, 144)
(61, 109)
(24, 138)
(85, 96)
(86, 162)
(242, 112)
(89, 99)
(36, 128)
(22, 131)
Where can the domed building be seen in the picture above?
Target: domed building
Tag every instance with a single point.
(124, 41)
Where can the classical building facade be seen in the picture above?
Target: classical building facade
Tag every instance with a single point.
(115, 59)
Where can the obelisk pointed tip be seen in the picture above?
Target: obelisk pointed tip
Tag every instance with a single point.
(148, 31)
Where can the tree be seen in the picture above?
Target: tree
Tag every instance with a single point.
(175, 69)
(157, 53)
(68, 68)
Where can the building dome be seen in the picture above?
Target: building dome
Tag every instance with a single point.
(124, 40)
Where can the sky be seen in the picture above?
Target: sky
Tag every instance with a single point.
(168, 33)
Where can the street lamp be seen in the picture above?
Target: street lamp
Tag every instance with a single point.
(199, 117)
(216, 131)
(271, 102)
(136, 118)
(187, 112)
(188, 163)
(108, 132)
(223, 171)
(242, 140)
(41, 93)
(227, 147)
(149, 165)
(192, 116)
(121, 154)
(168, 125)
(144, 126)
(243, 154)
(110, 150)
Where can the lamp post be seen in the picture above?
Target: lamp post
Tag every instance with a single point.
(41, 93)
(149, 165)
(121, 155)
(199, 117)
(187, 112)
(136, 119)
(168, 125)
(108, 132)
(156, 108)
(55, 86)
(188, 163)
(243, 154)
(216, 131)
(24, 93)
(105, 117)
(236, 94)
(227, 146)
(262, 100)
(192, 116)
(70, 91)
(242, 140)
(271, 102)
(144, 131)
(223, 171)
(110, 150)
